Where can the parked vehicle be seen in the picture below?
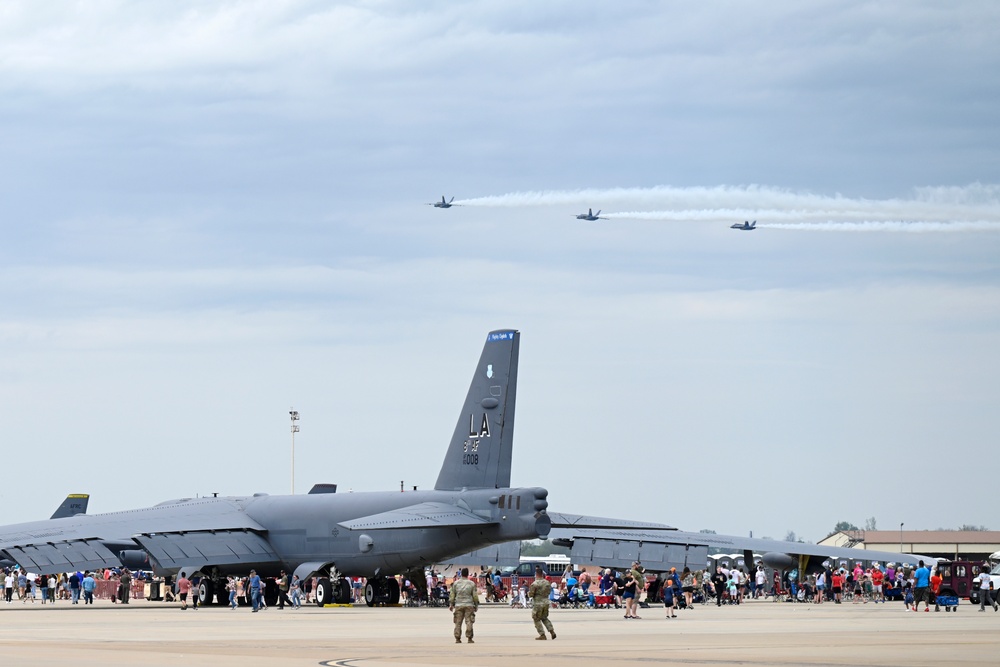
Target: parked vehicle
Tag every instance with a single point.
(958, 578)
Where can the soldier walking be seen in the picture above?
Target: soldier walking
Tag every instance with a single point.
(125, 586)
(539, 592)
(463, 600)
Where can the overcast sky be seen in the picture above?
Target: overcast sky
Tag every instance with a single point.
(216, 211)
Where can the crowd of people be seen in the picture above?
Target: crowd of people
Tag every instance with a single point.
(624, 590)
(837, 584)
(71, 586)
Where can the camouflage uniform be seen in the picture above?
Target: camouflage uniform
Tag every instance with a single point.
(464, 600)
(638, 573)
(539, 592)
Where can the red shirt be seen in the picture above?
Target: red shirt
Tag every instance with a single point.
(838, 581)
(877, 577)
(935, 583)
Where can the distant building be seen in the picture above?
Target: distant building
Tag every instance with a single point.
(949, 544)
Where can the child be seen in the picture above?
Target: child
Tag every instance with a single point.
(668, 600)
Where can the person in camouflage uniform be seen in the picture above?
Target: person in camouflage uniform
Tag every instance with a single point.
(463, 600)
(539, 592)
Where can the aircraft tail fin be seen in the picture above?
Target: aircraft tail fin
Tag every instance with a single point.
(479, 454)
(598, 212)
(75, 503)
(753, 224)
(450, 200)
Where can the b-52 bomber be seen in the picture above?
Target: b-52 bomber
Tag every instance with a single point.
(590, 215)
(327, 535)
(746, 226)
(443, 203)
(375, 535)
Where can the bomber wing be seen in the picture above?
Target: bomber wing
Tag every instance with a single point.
(577, 521)
(89, 541)
(67, 556)
(421, 515)
(210, 547)
(618, 548)
(733, 543)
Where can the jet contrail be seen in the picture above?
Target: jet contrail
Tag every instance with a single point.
(974, 207)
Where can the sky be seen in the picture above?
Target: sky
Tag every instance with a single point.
(216, 211)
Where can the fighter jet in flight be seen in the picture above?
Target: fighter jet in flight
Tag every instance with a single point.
(746, 226)
(443, 203)
(590, 215)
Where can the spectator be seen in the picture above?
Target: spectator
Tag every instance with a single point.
(629, 596)
(922, 587)
(88, 585)
(183, 589)
(295, 587)
(232, 585)
(669, 602)
(985, 585)
(255, 591)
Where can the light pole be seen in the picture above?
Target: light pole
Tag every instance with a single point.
(294, 414)
(900, 537)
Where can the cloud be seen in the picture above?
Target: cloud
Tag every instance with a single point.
(221, 204)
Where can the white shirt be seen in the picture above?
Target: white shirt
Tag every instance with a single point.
(984, 581)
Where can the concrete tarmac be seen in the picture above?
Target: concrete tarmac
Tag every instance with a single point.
(755, 633)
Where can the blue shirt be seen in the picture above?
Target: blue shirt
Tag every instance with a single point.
(922, 578)
(255, 583)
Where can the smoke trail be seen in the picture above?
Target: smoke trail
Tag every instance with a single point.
(889, 226)
(975, 207)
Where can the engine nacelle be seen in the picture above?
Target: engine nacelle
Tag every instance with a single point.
(782, 561)
(779, 561)
(134, 559)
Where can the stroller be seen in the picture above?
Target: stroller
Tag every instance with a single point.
(495, 593)
(438, 596)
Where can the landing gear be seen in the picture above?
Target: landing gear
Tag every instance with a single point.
(206, 591)
(330, 592)
(381, 590)
(324, 592)
(345, 592)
